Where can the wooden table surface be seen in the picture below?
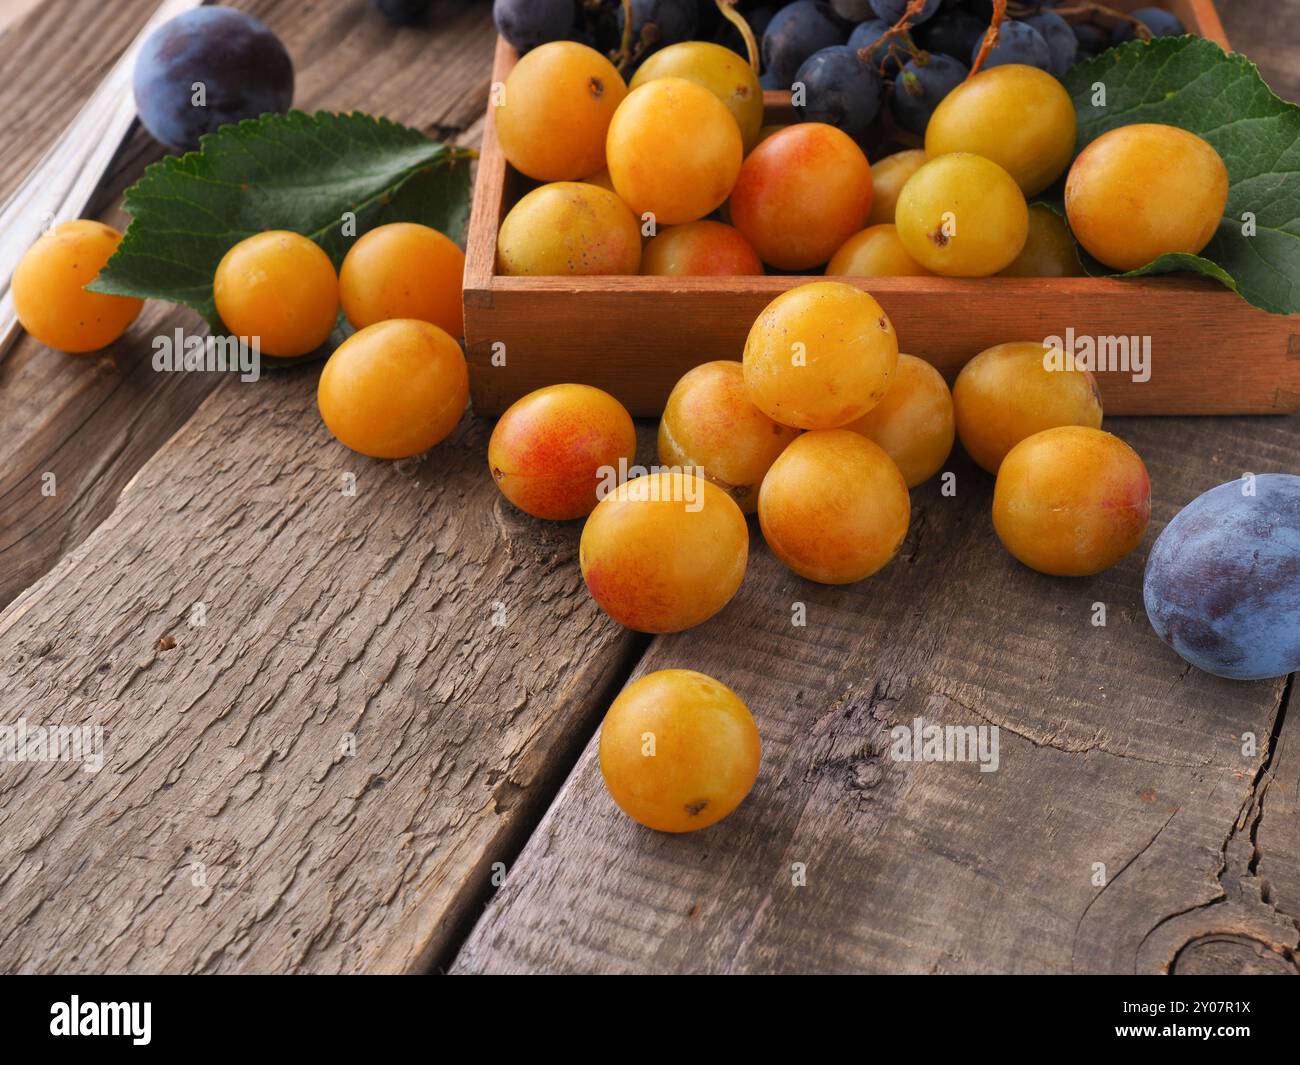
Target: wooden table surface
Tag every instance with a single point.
(351, 767)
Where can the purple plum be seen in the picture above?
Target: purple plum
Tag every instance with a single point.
(205, 68)
(1222, 584)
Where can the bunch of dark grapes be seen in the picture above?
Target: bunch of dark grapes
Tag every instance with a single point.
(840, 55)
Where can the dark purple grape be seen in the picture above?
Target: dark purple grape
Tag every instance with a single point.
(955, 32)
(891, 11)
(241, 65)
(921, 84)
(884, 57)
(1161, 23)
(403, 12)
(796, 32)
(757, 15)
(853, 10)
(708, 19)
(526, 24)
(1017, 43)
(1062, 44)
(1093, 40)
(839, 89)
(983, 9)
(658, 23)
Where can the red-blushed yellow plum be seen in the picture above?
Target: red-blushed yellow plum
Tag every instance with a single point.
(1071, 501)
(281, 288)
(569, 228)
(801, 194)
(874, 252)
(554, 111)
(394, 389)
(552, 450)
(710, 422)
(914, 422)
(50, 297)
(664, 552)
(820, 356)
(1141, 191)
(1007, 393)
(679, 750)
(834, 507)
(700, 249)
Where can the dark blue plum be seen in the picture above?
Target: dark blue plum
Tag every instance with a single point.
(1161, 23)
(889, 56)
(1093, 40)
(796, 32)
(242, 66)
(839, 89)
(891, 11)
(403, 12)
(955, 33)
(922, 83)
(1062, 44)
(1017, 43)
(1222, 583)
(527, 24)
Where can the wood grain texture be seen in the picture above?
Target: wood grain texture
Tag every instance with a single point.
(1266, 32)
(635, 336)
(1112, 750)
(1210, 351)
(327, 616)
(92, 421)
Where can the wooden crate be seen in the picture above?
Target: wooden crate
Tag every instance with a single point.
(1211, 352)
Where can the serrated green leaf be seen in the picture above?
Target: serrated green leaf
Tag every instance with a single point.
(293, 171)
(1192, 83)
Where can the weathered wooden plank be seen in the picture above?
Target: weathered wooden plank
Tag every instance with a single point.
(229, 828)
(1267, 33)
(92, 421)
(1111, 751)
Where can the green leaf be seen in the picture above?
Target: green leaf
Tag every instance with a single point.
(1192, 83)
(292, 171)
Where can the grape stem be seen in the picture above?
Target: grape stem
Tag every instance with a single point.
(990, 37)
(624, 54)
(898, 29)
(729, 12)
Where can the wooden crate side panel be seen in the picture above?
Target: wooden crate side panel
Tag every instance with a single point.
(1210, 353)
(490, 188)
